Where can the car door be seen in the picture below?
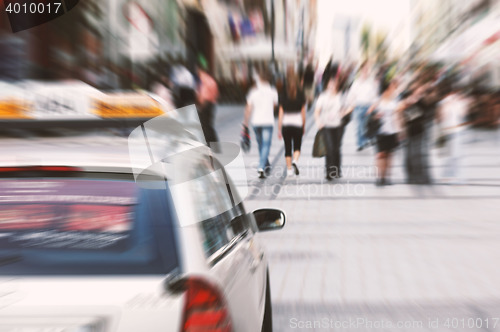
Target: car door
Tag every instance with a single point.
(231, 252)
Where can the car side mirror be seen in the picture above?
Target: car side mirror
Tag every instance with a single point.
(269, 219)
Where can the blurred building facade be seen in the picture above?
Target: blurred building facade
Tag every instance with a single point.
(243, 29)
(115, 43)
(454, 31)
(68, 47)
(463, 36)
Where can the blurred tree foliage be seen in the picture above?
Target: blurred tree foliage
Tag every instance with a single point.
(365, 40)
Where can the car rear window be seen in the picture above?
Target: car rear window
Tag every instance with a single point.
(87, 225)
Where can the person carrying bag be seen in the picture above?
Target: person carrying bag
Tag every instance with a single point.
(328, 116)
(319, 147)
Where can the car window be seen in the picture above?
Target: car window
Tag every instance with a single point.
(84, 226)
(213, 194)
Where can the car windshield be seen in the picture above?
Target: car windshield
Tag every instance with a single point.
(84, 224)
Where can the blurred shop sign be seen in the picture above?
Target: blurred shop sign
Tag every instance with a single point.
(13, 104)
(13, 109)
(58, 100)
(72, 100)
(126, 105)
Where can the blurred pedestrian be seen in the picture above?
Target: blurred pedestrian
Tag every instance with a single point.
(317, 80)
(261, 101)
(308, 84)
(417, 115)
(343, 85)
(162, 92)
(291, 123)
(328, 117)
(388, 111)
(330, 72)
(452, 117)
(161, 85)
(363, 93)
(208, 93)
(184, 85)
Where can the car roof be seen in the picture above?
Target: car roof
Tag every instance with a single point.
(77, 151)
(104, 150)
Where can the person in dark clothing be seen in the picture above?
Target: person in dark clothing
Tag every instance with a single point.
(207, 93)
(308, 84)
(329, 73)
(343, 86)
(291, 123)
(418, 113)
(325, 78)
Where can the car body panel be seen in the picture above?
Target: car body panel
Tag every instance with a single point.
(132, 303)
(120, 303)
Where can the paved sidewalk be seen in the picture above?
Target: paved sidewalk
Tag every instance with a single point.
(399, 253)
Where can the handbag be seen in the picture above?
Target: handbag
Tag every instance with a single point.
(319, 146)
(442, 140)
(373, 126)
(245, 139)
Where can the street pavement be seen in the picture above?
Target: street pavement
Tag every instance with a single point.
(356, 257)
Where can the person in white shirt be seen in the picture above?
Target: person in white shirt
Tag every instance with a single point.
(452, 113)
(183, 86)
(362, 95)
(328, 116)
(261, 101)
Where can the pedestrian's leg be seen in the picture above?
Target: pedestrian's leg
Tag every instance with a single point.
(258, 137)
(426, 171)
(387, 166)
(456, 157)
(287, 138)
(333, 150)
(358, 112)
(340, 134)
(202, 117)
(210, 120)
(329, 136)
(296, 156)
(408, 161)
(417, 159)
(297, 144)
(381, 165)
(448, 159)
(267, 133)
(338, 146)
(414, 159)
(424, 167)
(364, 139)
